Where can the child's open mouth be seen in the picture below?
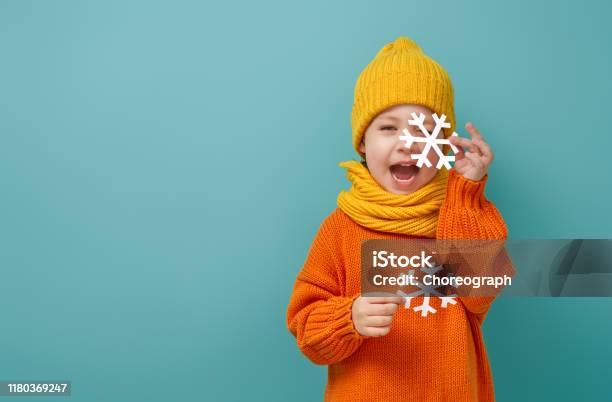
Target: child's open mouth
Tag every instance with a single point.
(404, 173)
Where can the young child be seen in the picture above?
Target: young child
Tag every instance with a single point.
(376, 349)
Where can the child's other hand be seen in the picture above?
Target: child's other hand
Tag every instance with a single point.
(372, 316)
(473, 164)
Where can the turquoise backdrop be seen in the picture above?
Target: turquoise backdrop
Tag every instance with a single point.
(165, 165)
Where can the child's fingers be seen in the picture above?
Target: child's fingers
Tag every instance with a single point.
(460, 154)
(377, 331)
(476, 160)
(381, 309)
(378, 320)
(465, 143)
(474, 133)
(485, 150)
(385, 299)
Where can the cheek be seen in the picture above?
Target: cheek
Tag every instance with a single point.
(379, 146)
(433, 155)
(427, 174)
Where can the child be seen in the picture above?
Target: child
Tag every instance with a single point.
(376, 349)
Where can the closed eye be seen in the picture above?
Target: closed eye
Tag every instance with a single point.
(388, 128)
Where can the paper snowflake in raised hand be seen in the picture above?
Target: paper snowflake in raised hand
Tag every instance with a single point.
(431, 140)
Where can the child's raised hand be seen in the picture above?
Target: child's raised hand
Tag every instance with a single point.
(473, 164)
(372, 316)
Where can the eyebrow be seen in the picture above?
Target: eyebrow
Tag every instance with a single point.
(388, 117)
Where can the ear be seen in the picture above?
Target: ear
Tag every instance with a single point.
(362, 147)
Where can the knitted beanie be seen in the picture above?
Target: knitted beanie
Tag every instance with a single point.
(401, 73)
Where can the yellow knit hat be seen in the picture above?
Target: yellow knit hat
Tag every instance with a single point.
(401, 73)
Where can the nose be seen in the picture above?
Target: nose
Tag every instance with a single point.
(413, 149)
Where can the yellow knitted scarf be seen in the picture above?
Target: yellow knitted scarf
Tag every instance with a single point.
(370, 205)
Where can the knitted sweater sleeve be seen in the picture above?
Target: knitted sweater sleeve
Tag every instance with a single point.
(467, 214)
(319, 314)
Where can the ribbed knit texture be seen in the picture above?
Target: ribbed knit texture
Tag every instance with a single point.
(370, 205)
(401, 73)
(440, 357)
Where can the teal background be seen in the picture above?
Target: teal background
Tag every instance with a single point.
(165, 165)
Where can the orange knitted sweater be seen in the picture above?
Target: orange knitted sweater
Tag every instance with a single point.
(440, 357)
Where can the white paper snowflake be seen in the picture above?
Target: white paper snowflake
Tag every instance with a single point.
(427, 291)
(430, 140)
